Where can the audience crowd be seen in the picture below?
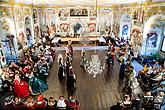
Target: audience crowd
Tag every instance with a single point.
(143, 89)
(27, 79)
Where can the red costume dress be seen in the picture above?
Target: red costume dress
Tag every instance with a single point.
(41, 103)
(21, 88)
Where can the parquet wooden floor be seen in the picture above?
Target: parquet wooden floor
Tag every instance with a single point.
(97, 93)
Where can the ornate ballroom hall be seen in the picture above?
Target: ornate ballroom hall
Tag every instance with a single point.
(82, 54)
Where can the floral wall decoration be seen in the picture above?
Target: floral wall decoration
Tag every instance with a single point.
(125, 26)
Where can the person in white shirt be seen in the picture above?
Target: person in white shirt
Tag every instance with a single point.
(62, 103)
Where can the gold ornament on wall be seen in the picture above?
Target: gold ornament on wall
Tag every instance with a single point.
(26, 11)
(5, 12)
(5, 25)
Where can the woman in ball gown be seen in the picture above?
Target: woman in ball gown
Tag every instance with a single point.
(37, 85)
(20, 87)
(122, 68)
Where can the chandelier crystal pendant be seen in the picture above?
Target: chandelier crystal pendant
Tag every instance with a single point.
(94, 66)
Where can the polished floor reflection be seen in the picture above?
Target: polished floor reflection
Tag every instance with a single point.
(97, 93)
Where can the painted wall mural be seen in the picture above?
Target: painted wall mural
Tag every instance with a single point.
(153, 35)
(151, 40)
(79, 26)
(78, 12)
(125, 26)
(8, 37)
(63, 12)
(136, 38)
(18, 17)
(125, 31)
(105, 20)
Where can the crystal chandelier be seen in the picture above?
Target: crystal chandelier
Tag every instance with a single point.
(94, 66)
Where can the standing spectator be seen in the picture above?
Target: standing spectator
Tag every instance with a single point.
(69, 48)
(61, 71)
(71, 79)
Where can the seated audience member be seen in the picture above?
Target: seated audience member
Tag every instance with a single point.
(8, 105)
(73, 103)
(148, 101)
(127, 103)
(29, 104)
(41, 103)
(156, 66)
(6, 86)
(51, 105)
(145, 70)
(37, 85)
(21, 88)
(156, 78)
(17, 104)
(159, 76)
(163, 104)
(160, 86)
(61, 103)
(143, 74)
(158, 100)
